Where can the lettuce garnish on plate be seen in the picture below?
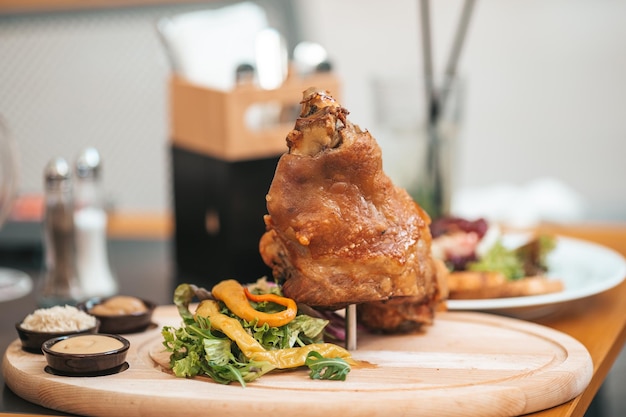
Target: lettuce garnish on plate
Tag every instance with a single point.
(517, 263)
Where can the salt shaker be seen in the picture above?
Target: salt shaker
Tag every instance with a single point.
(59, 284)
(90, 220)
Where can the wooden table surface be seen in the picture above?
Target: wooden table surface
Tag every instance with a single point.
(598, 322)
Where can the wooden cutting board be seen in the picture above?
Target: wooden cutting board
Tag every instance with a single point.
(466, 364)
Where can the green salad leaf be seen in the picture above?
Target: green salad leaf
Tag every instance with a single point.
(517, 263)
(195, 350)
(499, 259)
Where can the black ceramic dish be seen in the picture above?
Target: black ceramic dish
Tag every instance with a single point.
(33, 340)
(85, 363)
(120, 324)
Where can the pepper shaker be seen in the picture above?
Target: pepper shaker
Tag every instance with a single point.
(59, 284)
(90, 219)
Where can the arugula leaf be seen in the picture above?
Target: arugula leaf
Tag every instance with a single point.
(335, 369)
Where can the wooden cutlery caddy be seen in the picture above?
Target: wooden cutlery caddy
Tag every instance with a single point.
(244, 123)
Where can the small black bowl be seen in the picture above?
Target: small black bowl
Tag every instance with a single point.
(32, 340)
(121, 323)
(85, 363)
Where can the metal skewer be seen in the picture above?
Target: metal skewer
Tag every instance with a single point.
(351, 327)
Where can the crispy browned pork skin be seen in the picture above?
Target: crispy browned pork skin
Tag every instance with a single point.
(339, 232)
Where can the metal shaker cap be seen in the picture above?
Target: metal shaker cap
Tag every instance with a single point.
(88, 163)
(57, 173)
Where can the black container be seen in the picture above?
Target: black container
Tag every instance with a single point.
(33, 340)
(219, 207)
(85, 364)
(120, 323)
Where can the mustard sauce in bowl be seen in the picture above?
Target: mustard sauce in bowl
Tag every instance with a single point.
(92, 343)
(87, 354)
(119, 305)
(120, 314)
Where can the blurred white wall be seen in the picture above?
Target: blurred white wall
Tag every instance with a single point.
(96, 77)
(545, 84)
(545, 80)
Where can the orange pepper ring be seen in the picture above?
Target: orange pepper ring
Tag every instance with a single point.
(233, 294)
(284, 316)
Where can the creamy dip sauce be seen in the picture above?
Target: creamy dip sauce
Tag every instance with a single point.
(119, 305)
(89, 343)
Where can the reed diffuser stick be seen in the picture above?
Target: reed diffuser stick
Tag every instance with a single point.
(429, 82)
(436, 98)
(455, 52)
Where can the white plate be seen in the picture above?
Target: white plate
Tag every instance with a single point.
(14, 284)
(585, 268)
